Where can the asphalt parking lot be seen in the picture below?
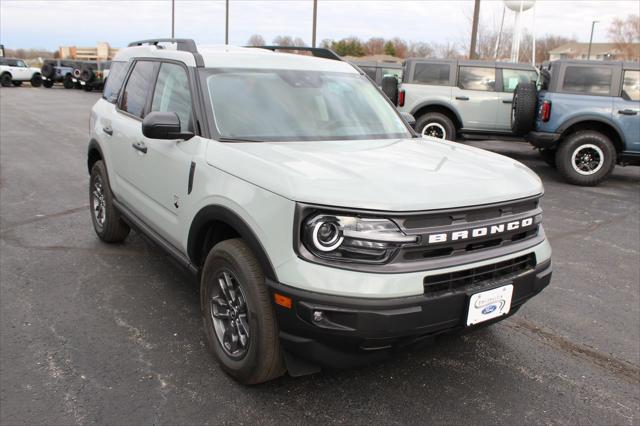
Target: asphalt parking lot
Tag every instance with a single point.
(95, 333)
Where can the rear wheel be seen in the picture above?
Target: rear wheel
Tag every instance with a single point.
(239, 319)
(87, 88)
(68, 82)
(586, 158)
(5, 80)
(48, 84)
(36, 80)
(104, 215)
(436, 125)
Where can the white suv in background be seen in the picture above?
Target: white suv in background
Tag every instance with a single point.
(323, 230)
(16, 71)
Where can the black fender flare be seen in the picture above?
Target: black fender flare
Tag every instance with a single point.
(583, 118)
(223, 214)
(438, 104)
(93, 146)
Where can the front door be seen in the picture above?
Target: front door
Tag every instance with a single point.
(475, 97)
(626, 110)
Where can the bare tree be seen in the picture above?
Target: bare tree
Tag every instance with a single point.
(446, 50)
(625, 34)
(283, 41)
(256, 40)
(299, 42)
(420, 50)
(400, 47)
(374, 46)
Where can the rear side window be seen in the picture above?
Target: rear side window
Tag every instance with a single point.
(172, 94)
(392, 72)
(435, 74)
(511, 78)
(477, 78)
(134, 97)
(114, 81)
(631, 85)
(589, 80)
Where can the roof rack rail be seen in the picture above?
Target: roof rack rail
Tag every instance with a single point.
(319, 52)
(182, 44)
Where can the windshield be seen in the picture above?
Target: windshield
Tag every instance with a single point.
(289, 105)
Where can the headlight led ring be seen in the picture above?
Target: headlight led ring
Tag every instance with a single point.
(333, 242)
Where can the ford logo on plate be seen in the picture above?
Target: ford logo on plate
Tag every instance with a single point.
(488, 309)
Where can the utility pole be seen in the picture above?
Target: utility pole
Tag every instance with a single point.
(593, 24)
(226, 24)
(474, 29)
(173, 18)
(315, 20)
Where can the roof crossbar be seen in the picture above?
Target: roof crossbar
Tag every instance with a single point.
(319, 52)
(182, 44)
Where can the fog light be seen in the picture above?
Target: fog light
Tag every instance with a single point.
(318, 316)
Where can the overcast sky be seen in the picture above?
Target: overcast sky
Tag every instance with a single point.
(49, 24)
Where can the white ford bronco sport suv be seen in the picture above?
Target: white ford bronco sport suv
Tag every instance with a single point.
(16, 71)
(323, 230)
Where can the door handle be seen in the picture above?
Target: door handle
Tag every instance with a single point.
(462, 98)
(108, 130)
(627, 112)
(505, 101)
(140, 146)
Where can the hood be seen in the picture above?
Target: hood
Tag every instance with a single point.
(391, 175)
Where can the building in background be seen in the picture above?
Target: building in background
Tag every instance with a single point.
(101, 52)
(599, 51)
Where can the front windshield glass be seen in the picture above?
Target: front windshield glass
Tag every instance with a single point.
(290, 105)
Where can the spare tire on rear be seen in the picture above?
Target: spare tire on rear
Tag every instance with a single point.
(48, 69)
(390, 88)
(523, 109)
(86, 74)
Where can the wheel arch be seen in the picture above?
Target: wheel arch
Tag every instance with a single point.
(215, 223)
(94, 154)
(441, 107)
(596, 123)
(6, 73)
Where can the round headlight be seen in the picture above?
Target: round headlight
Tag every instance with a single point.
(327, 235)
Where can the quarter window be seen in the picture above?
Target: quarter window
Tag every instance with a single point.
(172, 94)
(511, 78)
(592, 80)
(117, 74)
(434, 74)
(631, 85)
(134, 97)
(477, 78)
(370, 71)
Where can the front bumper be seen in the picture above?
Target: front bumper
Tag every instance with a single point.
(354, 331)
(544, 140)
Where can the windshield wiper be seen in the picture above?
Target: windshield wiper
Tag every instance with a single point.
(223, 139)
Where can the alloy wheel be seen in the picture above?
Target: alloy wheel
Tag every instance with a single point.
(229, 314)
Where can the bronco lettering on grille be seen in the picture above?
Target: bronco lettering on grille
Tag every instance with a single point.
(478, 232)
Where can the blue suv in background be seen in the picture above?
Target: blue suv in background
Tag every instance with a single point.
(585, 117)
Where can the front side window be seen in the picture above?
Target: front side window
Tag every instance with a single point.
(291, 105)
(21, 64)
(631, 85)
(477, 78)
(134, 97)
(434, 74)
(117, 74)
(511, 78)
(172, 94)
(590, 80)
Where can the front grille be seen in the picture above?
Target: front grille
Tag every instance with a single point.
(481, 275)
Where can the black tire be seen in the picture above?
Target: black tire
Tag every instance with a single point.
(390, 88)
(17, 83)
(523, 108)
(87, 88)
(549, 156)
(87, 75)
(584, 150)
(112, 229)
(261, 359)
(36, 80)
(48, 84)
(68, 82)
(5, 80)
(48, 70)
(437, 125)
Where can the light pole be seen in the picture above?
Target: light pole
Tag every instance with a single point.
(173, 18)
(315, 20)
(474, 29)
(226, 24)
(593, 24)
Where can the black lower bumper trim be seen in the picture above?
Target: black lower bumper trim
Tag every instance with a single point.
(543, 139)
(351, 331)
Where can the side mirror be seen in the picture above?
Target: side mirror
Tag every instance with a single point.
(390, 88)
(410, 119)
(163, 125)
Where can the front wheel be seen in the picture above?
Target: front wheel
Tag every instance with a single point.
(105, 217)
(586, 157)
(239, 319)
(48, 84)
(36, 80)
(68, 82)
(436, 125)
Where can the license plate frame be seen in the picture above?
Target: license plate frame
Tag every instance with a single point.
(489, 304)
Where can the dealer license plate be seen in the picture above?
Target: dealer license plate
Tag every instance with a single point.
(489, 304)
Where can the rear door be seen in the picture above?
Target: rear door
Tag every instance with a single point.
(508, 80)
(475, 97)
(626, 109)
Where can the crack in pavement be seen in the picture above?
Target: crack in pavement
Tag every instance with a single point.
(39, 218)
